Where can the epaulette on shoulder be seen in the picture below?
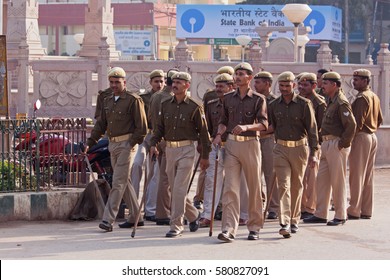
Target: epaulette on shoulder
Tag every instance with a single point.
(133, 94)
(105, 92)
(341, 99)
(304, 99)
(196, 102)
(212, 101)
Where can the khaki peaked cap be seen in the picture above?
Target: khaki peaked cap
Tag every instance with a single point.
(263, 74)
(182, 76)
(286, 76)
(117, 72)
(331, 76)
(224, 78)
(311, 77)
(362, 73)
(243, 66)
(156, 73)
(226, 69)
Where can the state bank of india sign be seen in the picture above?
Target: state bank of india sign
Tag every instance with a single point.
(229, 21)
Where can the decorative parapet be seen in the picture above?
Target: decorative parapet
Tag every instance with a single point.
(99, 19)
(181, 52)
(22, 22)
(324, 55)
(255, 55)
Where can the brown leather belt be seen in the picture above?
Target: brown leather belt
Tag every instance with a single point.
(329, 137)
(178, 144)
(292, 144)
(120, 138)
(240, 138)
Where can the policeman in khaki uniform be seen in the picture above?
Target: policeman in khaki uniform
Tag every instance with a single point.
(307, 85)
(292, 118)
(163, 203)
(244, 115)
(123, 118)
(157, 82)
(182, 123)
(337, 130)
(208, 96)
(263, 83)
(102, 94)
(367, 112)
(223, 84)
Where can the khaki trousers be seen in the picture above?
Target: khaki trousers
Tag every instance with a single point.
(180, 164)
(209, 182)
(309, 195)
(139, 162)
(361, 174)
(331, 179)
(245, 156)
(200, 187)
(267, 166)
(163, 203)
(122, 155)
(289, 165)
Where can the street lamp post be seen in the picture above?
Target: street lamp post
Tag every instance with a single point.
(243, 40)
(296, 14)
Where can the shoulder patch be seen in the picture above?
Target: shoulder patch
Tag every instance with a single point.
(213, 101)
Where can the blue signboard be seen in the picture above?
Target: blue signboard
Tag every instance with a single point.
(229, 21)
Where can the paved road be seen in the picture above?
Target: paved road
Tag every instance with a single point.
(68, 240)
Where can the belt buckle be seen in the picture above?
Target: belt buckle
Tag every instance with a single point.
(290, 144)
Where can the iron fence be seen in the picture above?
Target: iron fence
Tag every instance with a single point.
(37, 154)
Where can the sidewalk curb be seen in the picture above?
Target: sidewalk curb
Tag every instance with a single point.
(53, 205)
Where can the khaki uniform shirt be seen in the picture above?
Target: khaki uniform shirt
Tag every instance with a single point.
(146, 96)
(100, 99)
(367, 112)
(269, 98)
(182, 121)
(319, 105)
(155, 105)
(213, 115)
(339, 120)
(121, 117)
(249, 110)
(208, 96)
(294, 121)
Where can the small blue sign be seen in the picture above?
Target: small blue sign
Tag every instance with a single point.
(147, 43)
(316, 21)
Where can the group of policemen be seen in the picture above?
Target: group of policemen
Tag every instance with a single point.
(300, 141)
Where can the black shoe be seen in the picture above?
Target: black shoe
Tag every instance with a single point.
(226, 237)
(163, 222)
(314, 220)
(305, 215)
(150, 218)
(350, 217)
(366, 217)
(336, 222)
(198, 205)
(105, 226)
(253, 235)
(130, 225)
(194, 226)
(285, 231)
(272, 216)
(294, 228)
(173, 233)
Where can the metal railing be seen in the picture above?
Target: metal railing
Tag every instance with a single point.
(37, 154)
